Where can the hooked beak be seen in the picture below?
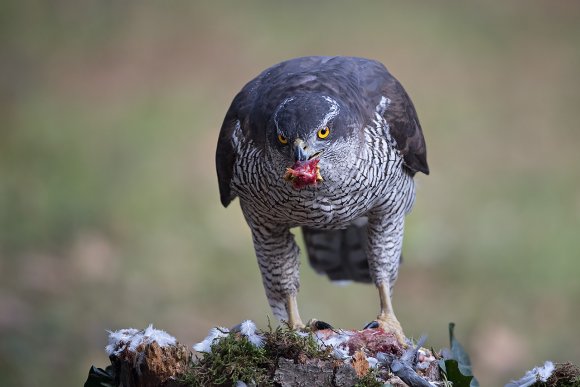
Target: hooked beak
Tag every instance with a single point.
(305, 171)
(300, 151)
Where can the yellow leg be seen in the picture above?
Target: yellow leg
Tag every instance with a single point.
(293, 316)
(386, 319)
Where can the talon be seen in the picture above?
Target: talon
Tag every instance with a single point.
(389, 324)
(317, 325)
(386, 319)
(372, 325)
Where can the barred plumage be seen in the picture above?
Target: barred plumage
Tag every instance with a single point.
(374, 147)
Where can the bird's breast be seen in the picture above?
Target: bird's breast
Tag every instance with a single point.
(351, 187)
(332, 203)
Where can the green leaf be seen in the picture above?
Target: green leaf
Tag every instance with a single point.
(99, 377)
(451, 369)
(458, 370)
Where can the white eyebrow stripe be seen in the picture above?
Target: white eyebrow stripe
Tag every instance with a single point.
(383, 105)
(332, 112)
(280, 107)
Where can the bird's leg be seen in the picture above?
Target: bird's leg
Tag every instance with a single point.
(385, 238)
(294, 321)
(386, 318)
(278, 259)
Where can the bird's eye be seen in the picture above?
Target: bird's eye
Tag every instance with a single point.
(282, 139)
(323, 133)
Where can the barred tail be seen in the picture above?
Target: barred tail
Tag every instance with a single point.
(340, 254)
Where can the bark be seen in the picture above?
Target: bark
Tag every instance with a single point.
(151, 365)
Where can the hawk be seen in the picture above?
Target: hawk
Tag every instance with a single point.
(331, 145)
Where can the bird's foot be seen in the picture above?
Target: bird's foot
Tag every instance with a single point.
(312, 325)
(294, 325)
(389, 324)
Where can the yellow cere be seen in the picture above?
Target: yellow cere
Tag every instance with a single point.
(323, 133)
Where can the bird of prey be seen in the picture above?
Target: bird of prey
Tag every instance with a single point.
(331, 145)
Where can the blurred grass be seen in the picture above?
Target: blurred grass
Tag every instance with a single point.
(109, 211)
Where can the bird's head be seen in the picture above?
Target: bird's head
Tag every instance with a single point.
(311, 135)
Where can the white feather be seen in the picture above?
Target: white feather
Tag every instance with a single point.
(132, 338)
(248, 329)
(214, 333)
(534, 375)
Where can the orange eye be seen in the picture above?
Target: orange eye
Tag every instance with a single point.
(282, 139)
(323, 133)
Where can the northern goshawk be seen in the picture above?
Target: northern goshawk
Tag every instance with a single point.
(329, 144)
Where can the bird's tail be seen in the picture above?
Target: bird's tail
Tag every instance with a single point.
(340, 254)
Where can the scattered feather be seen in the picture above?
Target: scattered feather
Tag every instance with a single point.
(248, 329)
(534, 375)
(214, 333)
(364, 350)
(373, 362)
(340, 353)
(132, 338)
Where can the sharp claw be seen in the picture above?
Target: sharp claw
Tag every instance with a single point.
(317, 325)
(372, 325)
(389, 324)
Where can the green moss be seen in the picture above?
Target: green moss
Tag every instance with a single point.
(232, 358)
(287, 343)
(565, 375)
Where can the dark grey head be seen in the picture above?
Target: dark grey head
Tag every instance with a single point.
(314, 135)
(305, 126)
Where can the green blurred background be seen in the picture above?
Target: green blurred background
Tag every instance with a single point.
(109, 208)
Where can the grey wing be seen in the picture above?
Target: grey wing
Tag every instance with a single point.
(376, 82)
(405, 127)
(225, 155)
